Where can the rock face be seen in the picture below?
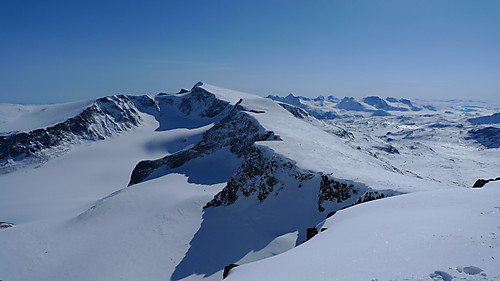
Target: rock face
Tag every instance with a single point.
(482, 182)
(237, 130)
(105, 117)
(258, 176)
(227, 269)
(264, 174)
(4, 225)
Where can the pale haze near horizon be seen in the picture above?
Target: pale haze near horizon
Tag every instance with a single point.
(57, 51)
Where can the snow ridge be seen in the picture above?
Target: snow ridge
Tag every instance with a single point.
(105, 117)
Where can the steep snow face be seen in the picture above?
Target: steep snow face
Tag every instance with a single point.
(434, 235)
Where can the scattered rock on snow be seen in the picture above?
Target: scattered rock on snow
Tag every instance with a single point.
(482, 182)
(441, 275)
(227, 269)
(5, 225)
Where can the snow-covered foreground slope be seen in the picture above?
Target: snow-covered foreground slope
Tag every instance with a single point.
(434, 235)
(176, 187)
(74, 220)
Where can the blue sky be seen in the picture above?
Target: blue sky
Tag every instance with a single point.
(56, 51)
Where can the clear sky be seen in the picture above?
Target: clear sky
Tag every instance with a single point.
(55, 51)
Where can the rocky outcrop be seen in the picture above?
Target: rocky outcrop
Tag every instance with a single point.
(482, 182)
(4, 225)
(335, 191)
(202, 103)
(105, 117)
(262, 173)
(228, 268)
(295, 111)
(387, 148)
(265, 173)
(311, 232)
(238, 130)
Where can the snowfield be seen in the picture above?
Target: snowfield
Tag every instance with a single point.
(16, 117)
(434, 235)
(177, 187)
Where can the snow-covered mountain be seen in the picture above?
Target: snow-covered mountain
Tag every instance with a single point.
(177, 187)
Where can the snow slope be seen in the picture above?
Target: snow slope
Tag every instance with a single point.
(69, 227)
(434, 235)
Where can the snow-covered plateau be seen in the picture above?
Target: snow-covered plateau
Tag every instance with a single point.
(212, 182)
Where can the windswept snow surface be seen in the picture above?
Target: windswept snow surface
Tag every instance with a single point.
(16, 117)
(434, 235)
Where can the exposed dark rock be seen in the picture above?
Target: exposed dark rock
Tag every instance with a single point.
(256, 111)
(182, 91)
(482, 182)
(257, 176)
(332, 190)
(388, 148)
(202, 103)
(311, 232)
(227, 269)
(295, 111)
(373, 195)
(323, 229)
(5, 225)
(238, 130)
